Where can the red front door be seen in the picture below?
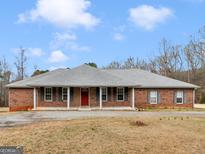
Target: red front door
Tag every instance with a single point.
(84, 97)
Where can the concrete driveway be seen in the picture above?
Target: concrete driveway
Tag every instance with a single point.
(18, 118)
(199, 106)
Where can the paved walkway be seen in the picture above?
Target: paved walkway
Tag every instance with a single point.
(199, 106)
(18, 118)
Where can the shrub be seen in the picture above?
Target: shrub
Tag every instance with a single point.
(138, 123)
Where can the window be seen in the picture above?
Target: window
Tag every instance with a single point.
(64, 94)
(120, 94)
(179, 97)
(153, 97)
(48, 94)
(104, 94)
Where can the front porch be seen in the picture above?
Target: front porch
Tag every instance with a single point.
(83, 98)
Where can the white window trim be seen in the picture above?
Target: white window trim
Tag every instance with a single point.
(123, 94)
(106, 94)
(66, 94)
(45, 94)
(150, 97)
(180, 97)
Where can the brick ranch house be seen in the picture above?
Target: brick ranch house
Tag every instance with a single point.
(92, 88)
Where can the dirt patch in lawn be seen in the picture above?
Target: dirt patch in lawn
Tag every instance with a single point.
(110, 135)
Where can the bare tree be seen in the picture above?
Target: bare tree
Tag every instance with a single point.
(129, 63)
(201, 53)
(152, 66)
(5, 74)
(191, 58)
(113, 65)
(141, 64)
(185, 63)
(201, 47)
(20, 64)
(169, 62)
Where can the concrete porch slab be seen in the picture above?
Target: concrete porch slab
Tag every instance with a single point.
(84, 109)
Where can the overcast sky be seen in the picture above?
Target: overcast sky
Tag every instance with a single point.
(67, 33)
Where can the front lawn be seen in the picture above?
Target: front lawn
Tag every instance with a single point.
(174, 110)
(110, 135)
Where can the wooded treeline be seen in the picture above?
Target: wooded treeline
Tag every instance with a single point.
(183, 62)
(7, 75)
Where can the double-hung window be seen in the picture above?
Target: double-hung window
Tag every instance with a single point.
(120, 94)
(64, 94)
(153, 97)
(179, 97)
(48, 94)
(104, 94)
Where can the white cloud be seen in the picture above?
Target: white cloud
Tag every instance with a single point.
(75, 47)
(30, 52)
(67, 41)
(57, 56)
(22, 18)
(65, 36)
(148, 17)
(37, 52)
(15, 50)
(61, 39)
(118, 37)
(56, 67)
(63, 13)
(120, 28)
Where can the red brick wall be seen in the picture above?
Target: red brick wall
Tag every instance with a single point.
(20, 99)
(93, 99)
(53, 104)
(76, 98)
(166, 98)
(59, 103)
(114, 103)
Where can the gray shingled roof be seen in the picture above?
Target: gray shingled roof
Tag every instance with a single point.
(87, 76)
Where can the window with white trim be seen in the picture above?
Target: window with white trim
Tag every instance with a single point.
(153, 97)
(48, 94)
(179, 97)
(120, 94)
(64, 94)
(104, 94)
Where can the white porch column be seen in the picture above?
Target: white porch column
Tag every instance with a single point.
(100, 97)
(194, 97)
(68, 98)
(133, 98)
(34, 99)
